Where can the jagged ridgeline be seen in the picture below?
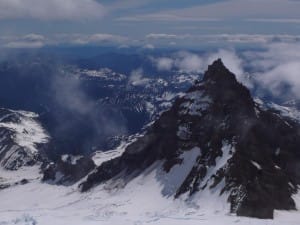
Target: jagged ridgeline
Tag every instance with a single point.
(249, 153)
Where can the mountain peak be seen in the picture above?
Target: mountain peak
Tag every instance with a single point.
(247, 154)
(217, 71)
(218, 62)
(221, 85)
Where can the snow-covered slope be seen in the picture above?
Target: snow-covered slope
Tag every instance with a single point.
(20, 136)
(139, 202)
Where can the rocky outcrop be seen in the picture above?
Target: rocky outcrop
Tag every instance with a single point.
(251, 152)
(67, 170)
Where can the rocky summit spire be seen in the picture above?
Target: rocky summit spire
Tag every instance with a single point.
(223, 88)
(237, 148)
(218, 72)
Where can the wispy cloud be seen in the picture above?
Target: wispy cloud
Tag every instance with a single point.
(127, 4)
(234, 63)
(149, 46)
(97, 38)
(130, 17)
(26, 41)
(38, 40)
(288, 11)
(51, 9)
(163, 63)
(277, 68)
(149, 42)
(167, 18)
(191, 62)
(274, 69)
(188, 62)
(167, 36)
(76, 109)
(24, 44)
(233, 38)
(274, 20)
(137, 78)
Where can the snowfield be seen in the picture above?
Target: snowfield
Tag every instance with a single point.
(141, 201)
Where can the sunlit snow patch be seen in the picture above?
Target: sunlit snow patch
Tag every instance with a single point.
(175, 177)
(221, 163)
(100, 157)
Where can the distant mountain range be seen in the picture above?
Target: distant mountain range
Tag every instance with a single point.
(92, 104)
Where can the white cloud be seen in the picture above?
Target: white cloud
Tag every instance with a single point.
(166, 17)
(123, 46)
(97, 38)
(277, 66)
(191, 62)
(162, 36)
(37, 40)
(26, 41)
(283, 74)
(50, 9)
(274, 20)
(127, 4)
(183, 61)
(149, 46)
(34, 37)
(234, 63)
(164, 63)
(188, 62)
(24, 44)
(106, 37)
(149, 42)
(229, 38)
(137, 78)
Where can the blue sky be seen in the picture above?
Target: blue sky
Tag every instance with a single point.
(149, 23)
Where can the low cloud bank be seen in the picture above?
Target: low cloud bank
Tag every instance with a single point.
(192, 62)
(275, 69)
(278, 69)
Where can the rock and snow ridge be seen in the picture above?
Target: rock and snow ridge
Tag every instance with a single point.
(21, 137)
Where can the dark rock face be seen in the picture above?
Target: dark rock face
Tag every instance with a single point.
(255, 152)
(4, 186)
(68, 170)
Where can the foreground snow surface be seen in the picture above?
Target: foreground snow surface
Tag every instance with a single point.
(141, 201)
